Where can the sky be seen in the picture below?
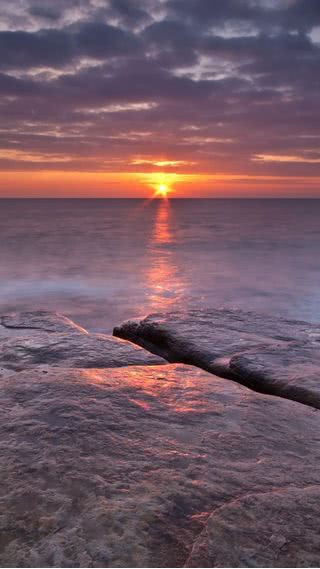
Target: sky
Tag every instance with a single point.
(209, 98)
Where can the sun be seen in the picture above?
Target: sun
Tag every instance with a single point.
(162, 184)
(162, 190)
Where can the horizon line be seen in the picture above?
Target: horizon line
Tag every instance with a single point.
(159, 198)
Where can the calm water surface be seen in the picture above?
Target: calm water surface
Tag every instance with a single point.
(103, 261)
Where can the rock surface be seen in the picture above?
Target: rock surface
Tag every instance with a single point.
(40, 320)
(122, 467)
(292, 372)
(45, 338)
(255, 529)
(268, 354)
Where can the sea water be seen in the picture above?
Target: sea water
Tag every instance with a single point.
(103, 261)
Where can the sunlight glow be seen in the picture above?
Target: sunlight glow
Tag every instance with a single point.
(162, 191)
(161, 183)
(71, 183)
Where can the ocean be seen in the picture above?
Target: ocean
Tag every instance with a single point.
(104, 261)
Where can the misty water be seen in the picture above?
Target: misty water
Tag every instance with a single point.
(103, 261)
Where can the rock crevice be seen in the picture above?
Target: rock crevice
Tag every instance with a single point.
(270, 355)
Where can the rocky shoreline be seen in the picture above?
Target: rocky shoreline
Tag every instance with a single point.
(187, 439)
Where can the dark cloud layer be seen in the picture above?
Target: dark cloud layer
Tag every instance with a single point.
(228, 86)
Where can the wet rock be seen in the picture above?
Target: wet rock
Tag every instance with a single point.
(259, 351)
(292, 372)
(49, 339)
(123, 467)
(253, 531)
(40, 320)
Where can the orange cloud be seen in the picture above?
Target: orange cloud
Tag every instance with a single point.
(162, 163)
(281, 158)
(25, 156)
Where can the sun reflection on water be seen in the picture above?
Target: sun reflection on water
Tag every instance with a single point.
(161, 230)
(163, 279)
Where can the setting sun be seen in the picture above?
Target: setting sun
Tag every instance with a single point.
(162, 190)
(161, 183)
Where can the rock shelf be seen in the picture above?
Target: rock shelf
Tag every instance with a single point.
(157, 464)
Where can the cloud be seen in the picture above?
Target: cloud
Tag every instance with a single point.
(218, 86)
(281, 158)
(58, 47)
(162, 163)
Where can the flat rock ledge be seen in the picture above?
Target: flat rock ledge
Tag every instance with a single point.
(154, 466)
(105, 463)
(267, 354)
(29, 339)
